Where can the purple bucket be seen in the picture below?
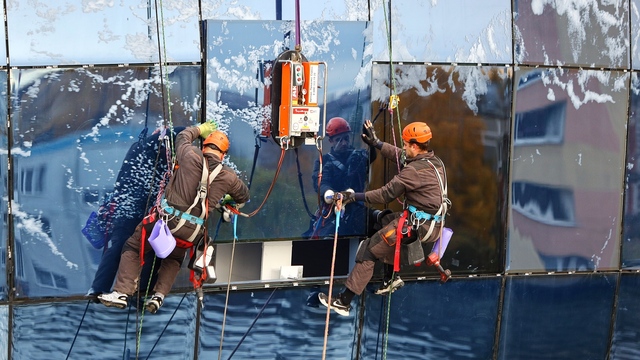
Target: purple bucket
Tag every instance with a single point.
(161, 239)
(441, 244)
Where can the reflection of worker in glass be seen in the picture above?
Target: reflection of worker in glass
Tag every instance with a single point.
(422, 183)
(134, 193)
(344, 167)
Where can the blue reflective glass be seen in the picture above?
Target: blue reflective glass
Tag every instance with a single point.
(240, 58)
(4, 178)
(275, 324)
(626, 336)
(427, 320)
(80, 32)
(4, 331)
(326, 10)
(557, 317)
(440, 32)
(558, 33)
(635, 30)
(72, 131)
(631, 215)
(569, 132)
(467, 109)
(83, 330)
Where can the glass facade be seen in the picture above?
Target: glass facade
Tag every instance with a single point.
(533, 107)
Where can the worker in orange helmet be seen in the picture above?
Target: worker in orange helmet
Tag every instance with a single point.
(422, 183)
(343, 167)
(184, 208)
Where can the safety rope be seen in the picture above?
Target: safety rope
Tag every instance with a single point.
(338, 205)
(252, 324)
(226, 301)
(166, 326)
(78, 329)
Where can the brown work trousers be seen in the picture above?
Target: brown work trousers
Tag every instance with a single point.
(129, 269)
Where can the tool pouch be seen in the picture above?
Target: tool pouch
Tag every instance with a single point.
(415, 252)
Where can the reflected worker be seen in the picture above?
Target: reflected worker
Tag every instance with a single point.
(187, 226)
(344, 167)
(422, 182)
(133, 195)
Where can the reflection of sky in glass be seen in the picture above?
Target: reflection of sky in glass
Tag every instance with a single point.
(93, 32)
(438, 31)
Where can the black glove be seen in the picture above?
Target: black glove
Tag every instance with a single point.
(347, 197)
(369, 135)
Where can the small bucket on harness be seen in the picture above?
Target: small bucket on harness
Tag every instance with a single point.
(161, 239)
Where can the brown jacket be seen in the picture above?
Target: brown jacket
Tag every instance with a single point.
(184, 183)
(416, 181)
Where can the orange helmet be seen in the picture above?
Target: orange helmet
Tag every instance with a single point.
(337, 125)
(219, 139)
(417, 131)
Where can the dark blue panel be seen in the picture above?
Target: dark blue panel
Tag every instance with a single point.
(429, 320)
(285, 326)
(557, 317)
(626, 336)
(48, 331)
(72, 130)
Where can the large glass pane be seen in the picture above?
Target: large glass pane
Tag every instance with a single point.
(626, 336)
(462, 31)
(326, 10)
(467, 109)
(557, 317)
(585, 33)
(3, 34)
(4, 178)
(635, 34)
(77, 31)
(631, 217)
(4, 331)
(275, 324)
(72, 130)
(84, 330)
(568, 158)
(240, 57)
(426, 321)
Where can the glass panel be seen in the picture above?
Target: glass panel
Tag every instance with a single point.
(4, 178)
(289, 324)
(631, 217)
(467, 109)
(4, 331)
(72, 130)
(3, 49)
(110, 33)
(240, 57)
(635, 34)
(464, 31)
(586, 33)
(327, 10)
(557, 317)
(568, 158)
(76, 329)
(626, 337)
(426, 318)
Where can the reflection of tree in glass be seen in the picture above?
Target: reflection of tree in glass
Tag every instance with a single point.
(476, 176)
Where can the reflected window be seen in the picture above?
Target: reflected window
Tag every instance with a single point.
(540, 126)
(545, 204)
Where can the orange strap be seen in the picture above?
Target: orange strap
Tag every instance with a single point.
(399, 234)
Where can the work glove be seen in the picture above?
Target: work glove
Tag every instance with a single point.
(207, 128)
(348, 196)
(369, 135)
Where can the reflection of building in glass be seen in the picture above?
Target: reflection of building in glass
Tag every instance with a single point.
(564, 194)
